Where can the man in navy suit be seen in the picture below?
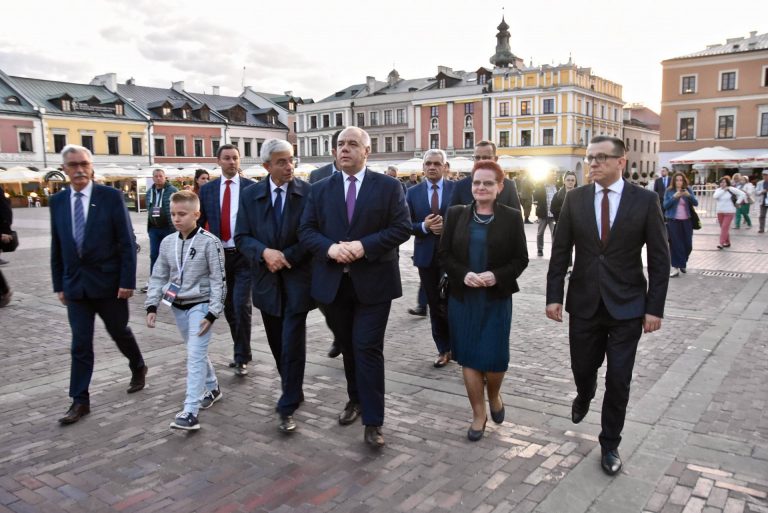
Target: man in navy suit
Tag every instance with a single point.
(267, 234)
(609, 300)
(93, 266)
(427, 203)
(661, 184)
(462, 193)
(353, 224)
(219, 200)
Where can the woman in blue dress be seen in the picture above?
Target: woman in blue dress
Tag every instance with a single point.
(483, 251)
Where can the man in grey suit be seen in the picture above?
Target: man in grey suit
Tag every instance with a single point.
(609, 300)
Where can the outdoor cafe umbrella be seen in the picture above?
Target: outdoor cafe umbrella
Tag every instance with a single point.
(413, 165)
(713, 156)
(256, 171)
(20, 175)
(461, 164)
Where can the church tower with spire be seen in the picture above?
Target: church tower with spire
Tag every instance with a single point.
(504, 57)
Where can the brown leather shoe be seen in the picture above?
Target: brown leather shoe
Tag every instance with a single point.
(373, 437)
(74, 413)
(350, 414)
(138, 379)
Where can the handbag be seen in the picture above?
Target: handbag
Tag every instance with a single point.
(444, 286)
(9, 247)
(695, 220)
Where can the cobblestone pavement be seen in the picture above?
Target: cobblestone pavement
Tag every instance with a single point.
(696, 438)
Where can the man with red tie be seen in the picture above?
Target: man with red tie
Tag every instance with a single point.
(219, 200)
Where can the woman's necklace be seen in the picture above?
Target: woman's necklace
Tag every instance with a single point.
(480, 220)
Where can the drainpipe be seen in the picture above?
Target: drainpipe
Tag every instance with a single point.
(40, 113)
(149, 139)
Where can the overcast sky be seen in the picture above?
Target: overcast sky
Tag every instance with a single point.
(316, 47)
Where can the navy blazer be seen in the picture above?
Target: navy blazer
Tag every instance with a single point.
(321, 172)
(658, 187)
(418, 199)
(210, 204)
(613, 273)
(380, 222)
(462, 193)
(288, 290)
(108, 260)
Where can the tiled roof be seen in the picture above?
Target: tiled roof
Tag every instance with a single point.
(735, 45)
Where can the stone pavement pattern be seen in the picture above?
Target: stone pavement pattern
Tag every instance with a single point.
(696, 438)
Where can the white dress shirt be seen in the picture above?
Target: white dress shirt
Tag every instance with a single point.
(234, 196)
(614, 197)
(359, 175)
(86, 199)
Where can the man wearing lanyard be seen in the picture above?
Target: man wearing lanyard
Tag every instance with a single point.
(159, 221)
(219, 200)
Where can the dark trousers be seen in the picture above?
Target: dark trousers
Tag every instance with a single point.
(238, 304)
(421, 297)
(680, 241)
(430, 282)
(287, 338)
(359, 330)
(82, 315)
(156, 236)
(3, 285)
(526, 204)
(592, 340)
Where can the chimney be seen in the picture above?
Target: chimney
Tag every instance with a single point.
(371, 83)
(288, 93)
(131, 81)
(215, 91)
(752, 33)
(178, 86)
(108, 80)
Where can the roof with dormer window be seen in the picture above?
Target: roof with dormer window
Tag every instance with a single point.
(254, 116)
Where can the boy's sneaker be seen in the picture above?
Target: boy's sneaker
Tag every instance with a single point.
(185, 421)
(210, 397)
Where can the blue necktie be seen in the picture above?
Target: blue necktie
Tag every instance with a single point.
(278, 210)
(79, 222)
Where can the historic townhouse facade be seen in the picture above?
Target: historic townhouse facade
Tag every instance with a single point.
(641, 135)
(285, 104)
(21, 137)
(716, 97)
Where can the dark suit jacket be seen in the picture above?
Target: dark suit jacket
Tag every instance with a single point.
(462, 193)
(210, 204)
(288, 290)
(540, 198)
(613, 273)
(425, 244)
(321, 172)
(380, 222)
(6, 213)
(507, 249)
(658, 187)
(108, 260)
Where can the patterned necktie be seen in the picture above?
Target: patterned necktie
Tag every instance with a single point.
(226, 230)
(277, 210)
(435, 203)
(351, 193)
(79, 222)
(605, 218)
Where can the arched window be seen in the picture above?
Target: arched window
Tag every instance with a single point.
(12, 100)
(325, 147)
(434, 124)
(467, 121)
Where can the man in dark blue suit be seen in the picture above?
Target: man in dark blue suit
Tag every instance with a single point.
(219, 200)
(428, 203)
(661, 183)
(462, 193)
(93, 266)
(267, 234)
(353, 224)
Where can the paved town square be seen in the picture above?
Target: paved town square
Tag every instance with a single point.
(696, 438)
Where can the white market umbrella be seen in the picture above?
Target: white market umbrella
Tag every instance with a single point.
(19, 174)
(715, 156)
(257, 171)
(461, 164)
(303, 170)
(413, 165)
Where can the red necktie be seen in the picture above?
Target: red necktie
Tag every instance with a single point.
(226, 231)
(605, 218)
(435, 203)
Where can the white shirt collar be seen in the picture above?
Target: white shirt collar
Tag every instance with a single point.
(617, 187)
(235, 179)
(359, 175)
(273, 186)
(87, 191)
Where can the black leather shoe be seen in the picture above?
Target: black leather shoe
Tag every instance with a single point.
(287, 424)
(611, 461)
(350, 414)
(138, 379)
(421, 311)
(497, 416)
(475, 435)
(442, 360)
(241, 369)
(334, 351)
(373, 437)
(580, 406)
(75, 413)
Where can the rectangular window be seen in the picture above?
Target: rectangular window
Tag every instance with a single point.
(469, 140)
(504, 139)
(615, 114)
(87, 142)
(360, 119)
(25, 141)
(313, 147)
(179, 147)
(434, 141)
(548, 106)
(135, 145)
(525, 137)
(339, 119)
(113, 148)
(525, 108)
(160, 147)
(400, 143)
(654, 146)
(246, 148)
(728, 81)
(374, 118)
(199, 148)
(59, 141)
(634, 145)
(312, 122)
(765, 76)
(326, 120)
(215, 143)
(388, 144)
(434, 112)
(504, 109)
(686, 129)
(375, 145)
(66, 105)
(602, 111)
(725, 127)
(469, 108)
(387, 117)
(764, 124)
(400, 116)
(548, 137)
(642, 144)
(688, 85)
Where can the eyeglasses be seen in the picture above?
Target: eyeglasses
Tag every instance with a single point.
(601, 158)
(487, 184)
(75, 165)
(285, 162)
(478, 158)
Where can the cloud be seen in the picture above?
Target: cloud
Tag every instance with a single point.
(116, 34)
(38, 66)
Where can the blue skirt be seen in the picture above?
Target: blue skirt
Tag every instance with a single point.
(479, 329)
